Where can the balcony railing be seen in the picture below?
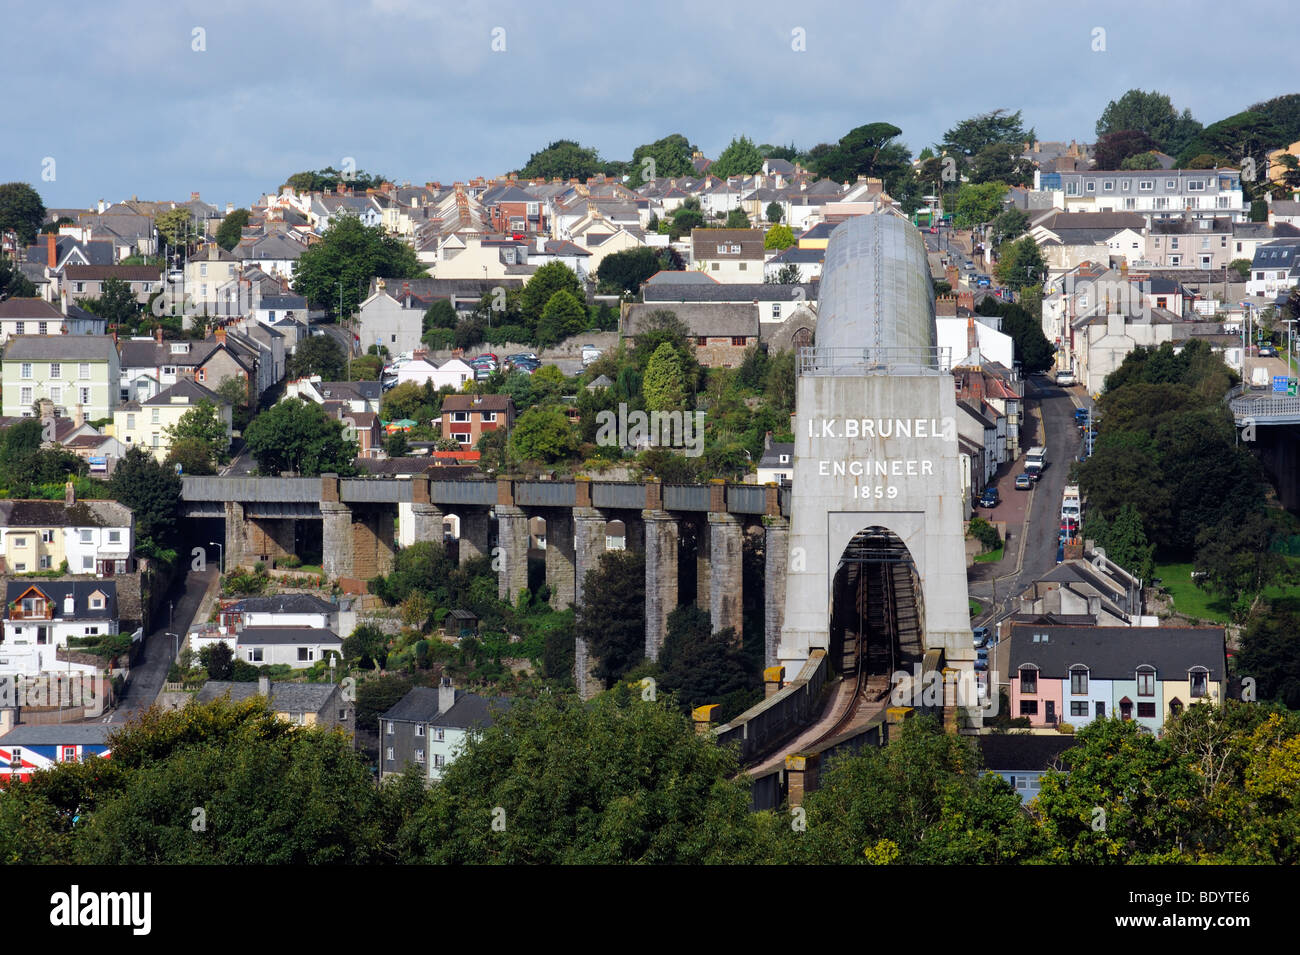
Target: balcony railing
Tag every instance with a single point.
(884, 360)
(17, 613)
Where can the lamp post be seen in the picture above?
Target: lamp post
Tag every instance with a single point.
(221, 555)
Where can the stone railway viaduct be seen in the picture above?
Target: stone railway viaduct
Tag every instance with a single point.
(492, 518)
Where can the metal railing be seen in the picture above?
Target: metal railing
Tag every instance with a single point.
(898, 360)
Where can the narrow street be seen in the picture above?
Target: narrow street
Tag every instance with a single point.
(1041, 509)
(150, 670)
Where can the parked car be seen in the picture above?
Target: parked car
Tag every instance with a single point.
(1080, 415)
(982, 658)
(983, 281)
(990, 497)
(1024, 482)
(981, 636)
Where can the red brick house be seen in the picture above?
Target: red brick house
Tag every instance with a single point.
(468, 417)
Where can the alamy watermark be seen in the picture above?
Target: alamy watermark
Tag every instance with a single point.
(62, 690)
(655, 429)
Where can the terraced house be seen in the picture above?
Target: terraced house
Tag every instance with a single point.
(71, 371)
(1061, 674)
(94, 537)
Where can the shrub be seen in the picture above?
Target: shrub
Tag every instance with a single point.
(985, 533)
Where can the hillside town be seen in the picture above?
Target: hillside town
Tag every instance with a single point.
(398, 489)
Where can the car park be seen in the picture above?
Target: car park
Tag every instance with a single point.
(1024, 482)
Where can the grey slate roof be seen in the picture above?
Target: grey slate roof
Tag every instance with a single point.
(1115, 653)
(70, 734)
(729, 292)
(420, 705)
(1022, 751)
(56, 591)
(287, 636)
(186, 388)
(22, 513)
(61, 348)
(282, 603)
(285, 697)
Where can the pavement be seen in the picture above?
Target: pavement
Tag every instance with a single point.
(149, 672)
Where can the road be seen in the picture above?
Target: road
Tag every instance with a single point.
(150, 671)
(1056, 408)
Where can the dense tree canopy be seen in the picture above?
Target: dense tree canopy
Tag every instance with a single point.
(740, 158)
(965, 140)
(667, 157)
(21, 210)
(153, 492)
(562, 159)
(299, 437)
(232, 228)
(1114, 148)
(348, 256)
(612, 615)
(319, 355)
(1151, 113)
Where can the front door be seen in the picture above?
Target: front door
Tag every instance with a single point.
(1051, 711)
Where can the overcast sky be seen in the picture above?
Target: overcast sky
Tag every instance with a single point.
(124, 105)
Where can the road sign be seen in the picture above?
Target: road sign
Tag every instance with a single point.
(1279, 384)
(1291, 387)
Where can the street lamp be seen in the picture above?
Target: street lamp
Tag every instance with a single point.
(221, 555)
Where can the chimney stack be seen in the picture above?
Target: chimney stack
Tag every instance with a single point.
(221, 336)
(79, 416)
(63, 300)
(446, 695)
(69, 490)
(69, 606)
(51, 250)
(157, 334)
(264, 686)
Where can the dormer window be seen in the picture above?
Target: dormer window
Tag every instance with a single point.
(1146, 681)
(1199, 678)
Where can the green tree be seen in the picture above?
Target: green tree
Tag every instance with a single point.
(551, 278)
(366, 645)
(778, 237)
(670, 156)
(232, 228)
(1002, 163)
(347, 257)
(1010, 224)
(1270, 654)
(665, 380)
(396, 445)
(441, 314)
(686, 218)
(176, 227)
(1126, 544)
(1151, 113)
(775, 213)
(1033, 350)
(740, 158)
(868, 150)
(787, 274)
(21, 210)
(543, 435)
(13, 284)
(737, 219)
(1020, 263)
(919, 800)
(1241, 267)
(563, 316)
(977, 204)
(152, 491)
(319, 355)
(1114, 148)
(234, 391)
(116, 304)
(624, 800)
(562, 159)
(299, 437)
(205, 424)
(626, 271)
(193, 456)
(965, 140)
(25, 463)
(272, 793)
(699, 667)
(1237, 559)
(611, 618)
(218, 659)
(1147, 160)
(329, 179)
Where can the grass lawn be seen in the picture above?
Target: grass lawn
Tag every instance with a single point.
(1190, 600)
(991, 557)
(976, 608)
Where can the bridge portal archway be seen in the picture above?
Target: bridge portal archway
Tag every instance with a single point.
(877, 612)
